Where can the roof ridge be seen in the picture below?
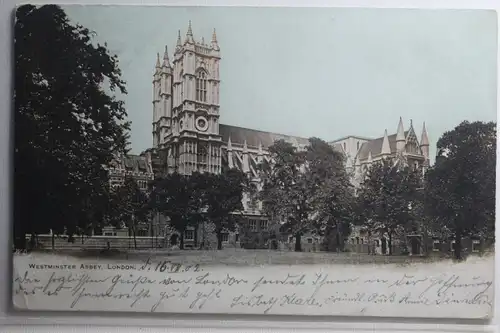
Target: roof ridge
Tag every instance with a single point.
(266, 132)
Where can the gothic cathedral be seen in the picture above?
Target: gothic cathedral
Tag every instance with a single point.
(186, 106)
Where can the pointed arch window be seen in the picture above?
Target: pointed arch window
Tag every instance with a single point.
(202, 153)
(201, 86)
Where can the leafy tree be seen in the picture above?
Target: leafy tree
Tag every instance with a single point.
(460, 187)
(387, 195)
(286, 190)
(181, 198)
(130, 206)
(224, 200)
(333, 194)
(68, 122)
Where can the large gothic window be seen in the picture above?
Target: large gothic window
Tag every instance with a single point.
(201, 86)
(411, 147)
(202, 153)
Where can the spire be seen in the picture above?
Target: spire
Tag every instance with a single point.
(157, 66)
(245, 147)
(246, 161)
(369, 157)
(215, 44)
(189, 34)
(230, 154)
(179, 41)
(386, 148)
(400, 135)
(260, 149)
(424, 141)
(158, 60)
(166, 62)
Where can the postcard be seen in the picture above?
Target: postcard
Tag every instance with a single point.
(253, 160)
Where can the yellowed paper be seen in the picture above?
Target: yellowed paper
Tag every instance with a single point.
(432, 290)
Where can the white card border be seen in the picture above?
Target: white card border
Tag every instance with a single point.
(44, 322)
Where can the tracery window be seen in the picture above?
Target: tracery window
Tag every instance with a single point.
(202, 153)
(412, 148)
(201, 86)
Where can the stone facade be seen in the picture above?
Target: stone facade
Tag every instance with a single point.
(403, 146)
(188, 136)
(138, 167)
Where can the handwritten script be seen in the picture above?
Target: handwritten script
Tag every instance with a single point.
(48, 282)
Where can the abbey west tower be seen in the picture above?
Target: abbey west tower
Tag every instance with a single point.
(186, 106)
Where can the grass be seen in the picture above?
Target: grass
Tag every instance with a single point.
(241, 257)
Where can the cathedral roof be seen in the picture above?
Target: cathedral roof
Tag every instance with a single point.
(253, 137)
(375, 146)
(134, 163)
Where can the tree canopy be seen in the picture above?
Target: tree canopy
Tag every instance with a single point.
(309, 189)
(68, 120)
(333, 193)
(224, 200)
(181, 198)
(286, 192)
(460, 187)
(388, 195)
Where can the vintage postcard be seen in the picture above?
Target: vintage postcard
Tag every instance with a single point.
(238, 160)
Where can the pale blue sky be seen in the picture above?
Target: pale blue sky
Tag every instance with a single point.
(322, 72)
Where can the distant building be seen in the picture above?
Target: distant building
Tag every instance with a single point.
(138, 167)
(188, 136)
(362, 152)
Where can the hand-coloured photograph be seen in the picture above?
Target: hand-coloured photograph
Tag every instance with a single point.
(253, 160)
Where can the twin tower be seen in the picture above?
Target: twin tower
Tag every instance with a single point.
(186, 106)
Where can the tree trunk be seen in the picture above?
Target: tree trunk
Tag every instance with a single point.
(425, 245)
(181, 239)
(458, 246)
(341, 240)
(152, 234)
(369, 239)
(298, 245)
(337, 241)
(196, 227)
(135, 239)
(19, 236)
(390, 243)
(219, 239)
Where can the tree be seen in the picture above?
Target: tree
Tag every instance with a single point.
(130, 206)
(333, 194)
(287, 191)
(387, 195)
(181, 198)
(224, 200)
(68, 122)
(460, 187)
